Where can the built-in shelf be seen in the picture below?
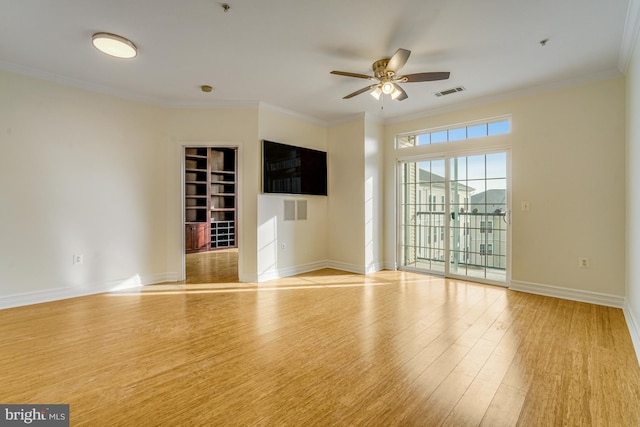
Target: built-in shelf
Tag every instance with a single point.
(210, 197)
(223, 234)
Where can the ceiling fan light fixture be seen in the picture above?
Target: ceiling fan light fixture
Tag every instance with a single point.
(396, 93)
(385, 72)
(376, 93)
(388, 88)
(114, 45)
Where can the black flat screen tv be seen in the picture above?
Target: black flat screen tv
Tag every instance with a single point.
(293, 170)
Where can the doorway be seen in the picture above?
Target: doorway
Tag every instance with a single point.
(454, 216)
(210, 214)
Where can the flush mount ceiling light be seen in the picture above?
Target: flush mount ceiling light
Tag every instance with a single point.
(114, 45)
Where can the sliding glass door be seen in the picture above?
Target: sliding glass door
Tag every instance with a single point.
(423, 217)
(453, 216)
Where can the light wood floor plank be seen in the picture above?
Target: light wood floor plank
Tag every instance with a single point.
(219, 266)
(324, 348)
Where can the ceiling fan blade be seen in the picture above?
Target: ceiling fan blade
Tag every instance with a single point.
(398, 60)
(346, 73)
(424, 77)
(403, 95)
(358, 92)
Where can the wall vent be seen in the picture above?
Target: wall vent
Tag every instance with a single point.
(301, 209)
(289, 210)
(450, 91)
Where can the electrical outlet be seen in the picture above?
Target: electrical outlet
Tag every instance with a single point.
(583, 262)
(78, 258)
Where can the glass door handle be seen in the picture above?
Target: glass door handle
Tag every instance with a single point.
(507, 216)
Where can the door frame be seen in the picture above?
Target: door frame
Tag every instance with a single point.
(182, 146)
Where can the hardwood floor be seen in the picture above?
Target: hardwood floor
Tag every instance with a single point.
(219, 266)
(324, 348)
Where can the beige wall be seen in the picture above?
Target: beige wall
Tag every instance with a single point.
(80, 173)
(216, 127)
(84, 173)
(568, 162)
(347, 190)
(87, 173)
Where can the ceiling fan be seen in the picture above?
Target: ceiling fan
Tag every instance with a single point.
(385, 72)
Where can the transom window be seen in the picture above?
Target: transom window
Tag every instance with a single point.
(456, 133)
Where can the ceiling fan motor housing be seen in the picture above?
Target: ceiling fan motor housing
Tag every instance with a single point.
(380, 69)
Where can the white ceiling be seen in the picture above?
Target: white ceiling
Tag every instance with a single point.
(280, 52)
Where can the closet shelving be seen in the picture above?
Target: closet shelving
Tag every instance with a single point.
(222, 189)
(210, 198)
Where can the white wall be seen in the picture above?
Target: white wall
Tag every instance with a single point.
(347, 200)
(80, 173)
(568, 162)
(290, 247)
(373, 195)
(632, 308)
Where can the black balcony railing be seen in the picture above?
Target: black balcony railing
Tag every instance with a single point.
(476, 239)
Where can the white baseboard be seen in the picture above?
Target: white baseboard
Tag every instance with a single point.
(633, 326)
(567, 293)
(49, 295)
(598, 298)
(291, 271)
(372, 268)
(389, 266)
(160, 278)
(305, 268)
(351, 268)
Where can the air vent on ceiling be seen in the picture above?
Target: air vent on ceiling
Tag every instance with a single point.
(450, 91)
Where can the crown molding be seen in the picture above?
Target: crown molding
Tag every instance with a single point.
(216, 104)
(630, 35)
(274, 108)
(634, 8)
(131, 96)
(506, 96)
(76, 83)
(107, 90)
(348, 118)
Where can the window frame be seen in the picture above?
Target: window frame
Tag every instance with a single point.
(445, 131)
